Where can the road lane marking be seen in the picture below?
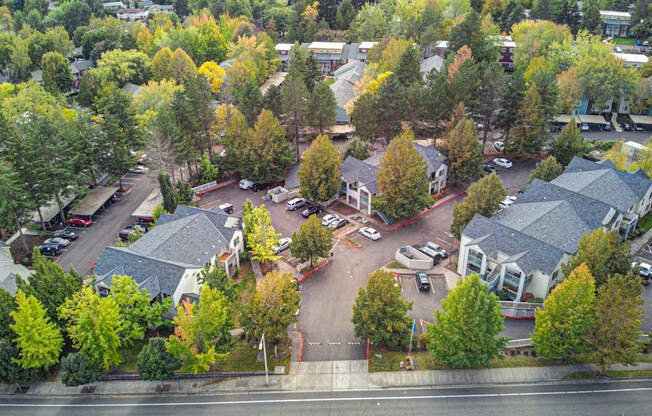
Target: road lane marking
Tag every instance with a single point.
(331, 399)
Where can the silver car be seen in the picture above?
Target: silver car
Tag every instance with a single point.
(57, 241)
(283, 244)
(328, 219)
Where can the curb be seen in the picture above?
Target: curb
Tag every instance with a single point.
(222, 185)
(443, 201)
(312, 271)
(342, 239)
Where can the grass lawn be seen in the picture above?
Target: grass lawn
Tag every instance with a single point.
(243, 358)
(623, 41)
(329, 82)
(610, 374)
(130, 357)
(395, 265)
(353, 243)
(646, 223)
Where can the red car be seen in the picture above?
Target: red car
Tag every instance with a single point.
(80, 222)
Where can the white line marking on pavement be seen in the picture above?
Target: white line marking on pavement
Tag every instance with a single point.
(329, 399)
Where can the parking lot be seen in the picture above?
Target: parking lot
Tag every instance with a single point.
(645, 255)
(85, 251)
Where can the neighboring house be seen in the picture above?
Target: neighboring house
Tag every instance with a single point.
(507, 53)
(615, 23)
(632, 60)
(131, 88)
(9, 270)
(427, 65)
(113, 5)
(131, 14)
(162, 8)
(363, 48)
(167, 261)
(522, 248)
(328, 54)
(442, 48)
(283, 50)
(37, 76)
(345, 79)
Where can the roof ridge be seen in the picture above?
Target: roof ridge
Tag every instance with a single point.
(127, 250)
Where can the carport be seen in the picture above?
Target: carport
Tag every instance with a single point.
(592, 119)
(94, 201)
(561, 120)
(645, 120)
(145, 210)
(51, 211)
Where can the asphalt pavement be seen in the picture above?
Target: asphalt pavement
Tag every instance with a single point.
(604, 136)
(632, 397)
(85, 251)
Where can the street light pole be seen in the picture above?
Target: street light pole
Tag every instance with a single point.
(261, 345)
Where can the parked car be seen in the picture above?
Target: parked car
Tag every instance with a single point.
(423, 283)
(296, 203)
(80, 222)
(607, 126)
(488, 168)
(627, 127)
(131, 229)
(502, 162)
(443, 253)
(429, 252)
(68, 235)
(57, 241)
(336, 225)
(141, 160)
(585, 127)
(369, 233)
(245, 184)
(499, 146)
(644, 270)
(283, 244)
(507, 202)
(328, 218)
(227, 208)
(638, 128)
(311, 211)
(139, 169)
(49, 251)
(259, 186)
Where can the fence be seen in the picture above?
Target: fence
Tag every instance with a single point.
(518, 310)
(124, 377)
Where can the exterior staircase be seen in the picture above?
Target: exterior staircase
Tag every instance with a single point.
(614, 123)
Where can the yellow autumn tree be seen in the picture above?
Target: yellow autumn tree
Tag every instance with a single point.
(214, 74)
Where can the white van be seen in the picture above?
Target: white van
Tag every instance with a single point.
(296, 203)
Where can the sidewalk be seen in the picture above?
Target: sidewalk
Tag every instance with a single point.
(325, 376)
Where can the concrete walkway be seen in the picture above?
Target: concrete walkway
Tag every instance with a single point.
(639, 242)
(325, 376)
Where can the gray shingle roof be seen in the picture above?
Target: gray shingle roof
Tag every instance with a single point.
(345, 78)
(529, 253)
(292, 177)
(428, 64)
(431, 157)
(354, 170)
(123, 261)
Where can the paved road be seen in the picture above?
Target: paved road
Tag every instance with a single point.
(85, 251)
(595, 399)
(603, 136)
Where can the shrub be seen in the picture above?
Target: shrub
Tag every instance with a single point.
(77, 370)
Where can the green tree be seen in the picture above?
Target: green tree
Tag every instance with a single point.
(482, 198)
(605, 254)
(492, 87)
(167, 191)
(217, 278)
(57, 76)
(201, 334)
(185, 195)
(592, 20)
(272, 309)
(320, 109)
(510, 101)
(155, 362)
(402, 179)
(272, 100)
(247, 216)
(563, 325)
(181, 68)
(94, 325)
(161, 64)
(379, 312)
(390, 102)
(569, 143)
(50, 284)
(465, 332)
(527, 135)
(408, 69)
(39, 341)
(77, 369)
(356, 148)
(294, 98)
(261, 238)
(312, 241)
(464, 151)
(137, 314)
(320, 170)
(250, 100)
(618, 316)
(547, 170)
(470, 32)
(266, 154)
(16, 205)
(7, 305)
(364, 117)
(10, 371)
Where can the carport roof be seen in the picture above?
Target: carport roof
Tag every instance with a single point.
(94, 201)
(591, 118)
(52, 209)
(146, 208)
(564, 118)
(641, 119)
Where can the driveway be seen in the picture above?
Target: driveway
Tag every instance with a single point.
(645, 255)
(604, 136)
(85, 251)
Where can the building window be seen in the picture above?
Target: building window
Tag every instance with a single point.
(236, 241)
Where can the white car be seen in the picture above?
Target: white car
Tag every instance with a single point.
(57, 241)
(502, 162)
(245, 184)
(139, 169)
(328, 219)
(585, 127)
(500, 146)
(507, 202)
(443, 253)
(283, 244)
(644, 269)
(369, 233)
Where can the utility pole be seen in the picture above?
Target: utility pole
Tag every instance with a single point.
(261, 345)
